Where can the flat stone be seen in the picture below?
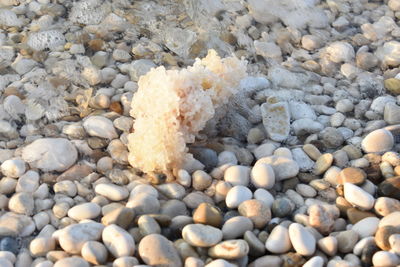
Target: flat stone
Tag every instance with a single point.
(276, 119)
(237, 175)
(50, 154)
(392, 85)
(156, 250)
(229, 250)
(200, 235)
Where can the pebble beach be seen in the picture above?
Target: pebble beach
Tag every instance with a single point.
(285, 147)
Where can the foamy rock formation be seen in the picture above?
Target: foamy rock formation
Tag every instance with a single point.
(172, 106)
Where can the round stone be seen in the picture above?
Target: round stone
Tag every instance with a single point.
(41, 245)
(278, 241)
(378, 141)
(100, 126)
(156, 250)
(302, 240)
(263, 176)
(94, 252)
(236, 226)
(385, 258)
(237, 175)
(201, 180)
(118, 241)
(84, 211)
(352, 175)
(257, 211)
(282, 207)
(13, 168)
(237, 195)
(358, 197)
(200, 235)
(112, 191)
(50, 154)
(229, 250)
(207, 214)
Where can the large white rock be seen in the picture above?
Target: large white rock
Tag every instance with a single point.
(118, 241)
(389, 53)
(340, 52)
(13, 168)
(100, 126)
(236, 195)
(302, 240)
(366, 227)
(278, 241)
(263, 176)
(284, 167)
(358, 197)
(50, 154)
(200, 235)
(378, 141)
(73, 237)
